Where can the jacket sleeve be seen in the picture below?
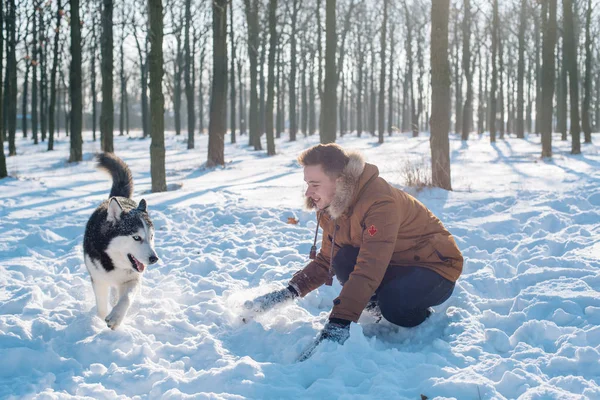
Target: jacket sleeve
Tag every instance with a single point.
(380, 232)
(316, 272)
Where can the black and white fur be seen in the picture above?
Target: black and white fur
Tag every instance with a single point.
(118, 243)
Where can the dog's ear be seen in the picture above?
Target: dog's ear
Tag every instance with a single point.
(142, 206)
(114, 210)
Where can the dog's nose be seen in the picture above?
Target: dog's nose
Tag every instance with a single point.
(153, 259)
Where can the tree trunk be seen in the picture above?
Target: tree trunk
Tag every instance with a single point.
(359, 89)
(271, 77)
(571, 60)
(381, 110)
(549, 42)
(242, 105)
(218, 101)
(107, 109)
(440, 87)
(75, 84)
(521, 71)
(189, 83)
(293, 69)
(561, 91)
(3, 171)
(43, 74)
(51, 109)
(34, 81)
(93, 47)
(232, 98)
(458, 104)
(11, 76)
(466, 64)
(25, 91)
(494, 82)
(312, 113)
(177, 83)
(157, 100)
(251, 8)
(304, 95)
(328, 110)
(587, 85)
(122, 77)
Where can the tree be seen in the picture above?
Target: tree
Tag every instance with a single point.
(189, 84)
(218, 99)
(329, 107)
(75, 84)
(521, 72)
(251, 8)
(34, 83)
(293, 69)
(440, 87)
(52, 107)
(11, 76)
(232, 96)
(157, 99)
(381, 106)
(467, 118)
(587, 85)
(570, 57)
(3, 171)
(107, 109)
(271, 77)
(548, 71)
(494, 82)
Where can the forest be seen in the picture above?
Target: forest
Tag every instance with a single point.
(245, 70)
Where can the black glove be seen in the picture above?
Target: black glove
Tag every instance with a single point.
(267, 301)
(336, 330)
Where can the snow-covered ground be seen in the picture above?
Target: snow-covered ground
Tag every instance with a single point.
(524, 320)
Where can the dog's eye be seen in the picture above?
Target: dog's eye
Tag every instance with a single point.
(137, 238)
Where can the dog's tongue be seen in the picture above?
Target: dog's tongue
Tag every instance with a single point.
(139, 265)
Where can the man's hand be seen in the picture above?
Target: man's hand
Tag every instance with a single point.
(267, 301)
(336, 330)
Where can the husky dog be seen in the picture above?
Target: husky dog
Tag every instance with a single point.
(118, 243)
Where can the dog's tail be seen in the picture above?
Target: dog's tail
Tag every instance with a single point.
(120, 173)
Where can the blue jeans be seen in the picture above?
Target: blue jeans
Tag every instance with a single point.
(405, 293)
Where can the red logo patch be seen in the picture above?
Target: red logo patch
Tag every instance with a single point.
(372, 230)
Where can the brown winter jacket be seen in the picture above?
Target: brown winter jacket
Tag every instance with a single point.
(391, 228)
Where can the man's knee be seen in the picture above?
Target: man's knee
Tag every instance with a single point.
(403, 317)
(344, 262)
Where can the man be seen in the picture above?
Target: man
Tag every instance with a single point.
(389, 252)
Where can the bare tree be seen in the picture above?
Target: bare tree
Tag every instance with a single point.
(521, 71)
(3, 171)
(271, 77)
(75, 84)
(157, 99)
(107, 109)
(217, 125)
(381, 106)
(251, 8)
(548, 70)
(570, 56)
(440, 86)
(189, 84)
(494, 82)
(329, 107)
(51, 110)
(587, 85)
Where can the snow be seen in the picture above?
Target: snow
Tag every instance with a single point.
(523, 322)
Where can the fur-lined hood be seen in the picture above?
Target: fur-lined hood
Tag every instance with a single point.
(346, 186)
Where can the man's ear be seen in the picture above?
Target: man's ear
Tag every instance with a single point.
(114, 210)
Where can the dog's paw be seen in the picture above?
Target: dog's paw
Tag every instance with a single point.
(114, 319)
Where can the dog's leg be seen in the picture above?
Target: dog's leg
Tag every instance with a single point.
(101, 292)
(127, 293)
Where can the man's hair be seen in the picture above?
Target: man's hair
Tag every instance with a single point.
(331, 157)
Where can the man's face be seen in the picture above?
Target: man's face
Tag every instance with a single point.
(321, 187)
